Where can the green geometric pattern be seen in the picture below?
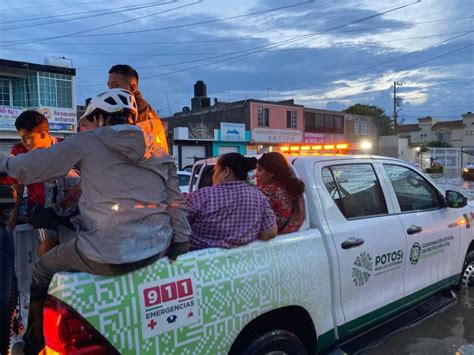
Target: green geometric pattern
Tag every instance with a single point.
(232, 288)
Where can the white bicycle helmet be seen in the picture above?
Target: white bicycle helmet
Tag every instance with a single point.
(112, 101)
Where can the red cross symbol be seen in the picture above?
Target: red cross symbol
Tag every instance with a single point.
(152, 324)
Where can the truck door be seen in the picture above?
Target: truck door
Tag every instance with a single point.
(431, 229)
(368, 239)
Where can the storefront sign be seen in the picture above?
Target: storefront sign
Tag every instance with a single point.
(268, 135)
(60, 119)
(314, 137)
(8, 115)
(232, 132)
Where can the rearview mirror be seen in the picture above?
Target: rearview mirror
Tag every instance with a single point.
(455, 199)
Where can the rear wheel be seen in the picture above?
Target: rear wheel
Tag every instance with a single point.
(467, 278)
(7, 290)
(276, 342)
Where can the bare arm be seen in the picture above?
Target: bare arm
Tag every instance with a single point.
(268, 234)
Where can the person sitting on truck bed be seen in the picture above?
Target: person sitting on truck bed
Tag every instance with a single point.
(46, 208)
(283, 190)
(131, 207)
(230, 213)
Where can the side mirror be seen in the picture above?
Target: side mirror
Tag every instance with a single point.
(455, 199)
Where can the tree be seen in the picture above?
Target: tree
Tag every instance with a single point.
(382, 121)
(438, 144)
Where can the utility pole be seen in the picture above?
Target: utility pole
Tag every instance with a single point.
(167, 99)
(267, 92)
(396, 103)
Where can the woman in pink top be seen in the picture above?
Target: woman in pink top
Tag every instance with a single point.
(283, 190)
(231, 212)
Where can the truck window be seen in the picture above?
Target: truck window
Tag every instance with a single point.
(206, 176)
(355, 189)
(414, 193)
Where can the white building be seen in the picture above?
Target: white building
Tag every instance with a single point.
(49, 89)
(458, 133)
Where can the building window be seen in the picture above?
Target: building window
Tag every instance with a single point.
(25, 91)
(362, 128)
(263, 117)
(291, 119)
(315, 122)
(4, 92)
(55, 90)
(444, 137)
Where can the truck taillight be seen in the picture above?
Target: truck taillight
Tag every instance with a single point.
(66, 332)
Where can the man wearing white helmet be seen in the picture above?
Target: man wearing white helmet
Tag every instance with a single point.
(131, 207)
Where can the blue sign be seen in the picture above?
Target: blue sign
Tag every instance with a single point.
(232, 132)
(61, 127)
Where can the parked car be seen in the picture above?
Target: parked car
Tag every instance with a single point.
(378, 237)
(183, 180)
(468, 172)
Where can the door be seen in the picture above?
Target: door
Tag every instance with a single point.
(431, 229)
(369, 241)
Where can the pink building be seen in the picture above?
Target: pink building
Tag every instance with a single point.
(274, 123)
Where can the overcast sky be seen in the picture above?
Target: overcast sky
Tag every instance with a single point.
(323, 53)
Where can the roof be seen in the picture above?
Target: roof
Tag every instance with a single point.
(449, 124)
(37, 67)
(404, 128)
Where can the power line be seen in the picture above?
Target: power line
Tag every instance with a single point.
(101, 13)
(76, 34)
(197, 41)
(43, 7)
(408, 54)
(234, 17)
(166, 54)
(277, 44)
(10, 43)
(436, 57)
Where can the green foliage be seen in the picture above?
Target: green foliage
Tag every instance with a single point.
(382, 121)
(434, 169)
(438, 144)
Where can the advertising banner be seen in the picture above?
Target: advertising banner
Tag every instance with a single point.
(232, 132)
(60, 119)
(268, 135)
(8, 115)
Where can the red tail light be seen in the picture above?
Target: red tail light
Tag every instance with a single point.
(66, 332)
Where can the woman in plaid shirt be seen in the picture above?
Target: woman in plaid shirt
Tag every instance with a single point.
(231, 213)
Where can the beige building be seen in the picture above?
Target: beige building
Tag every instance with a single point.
(458, 133)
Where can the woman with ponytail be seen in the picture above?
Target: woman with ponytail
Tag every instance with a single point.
(231, 212)
(283, 190)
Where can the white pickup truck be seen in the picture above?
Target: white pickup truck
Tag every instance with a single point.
(379, 236)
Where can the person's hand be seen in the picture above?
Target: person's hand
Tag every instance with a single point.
(72, 195)
(176, 249)
(12, 219)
